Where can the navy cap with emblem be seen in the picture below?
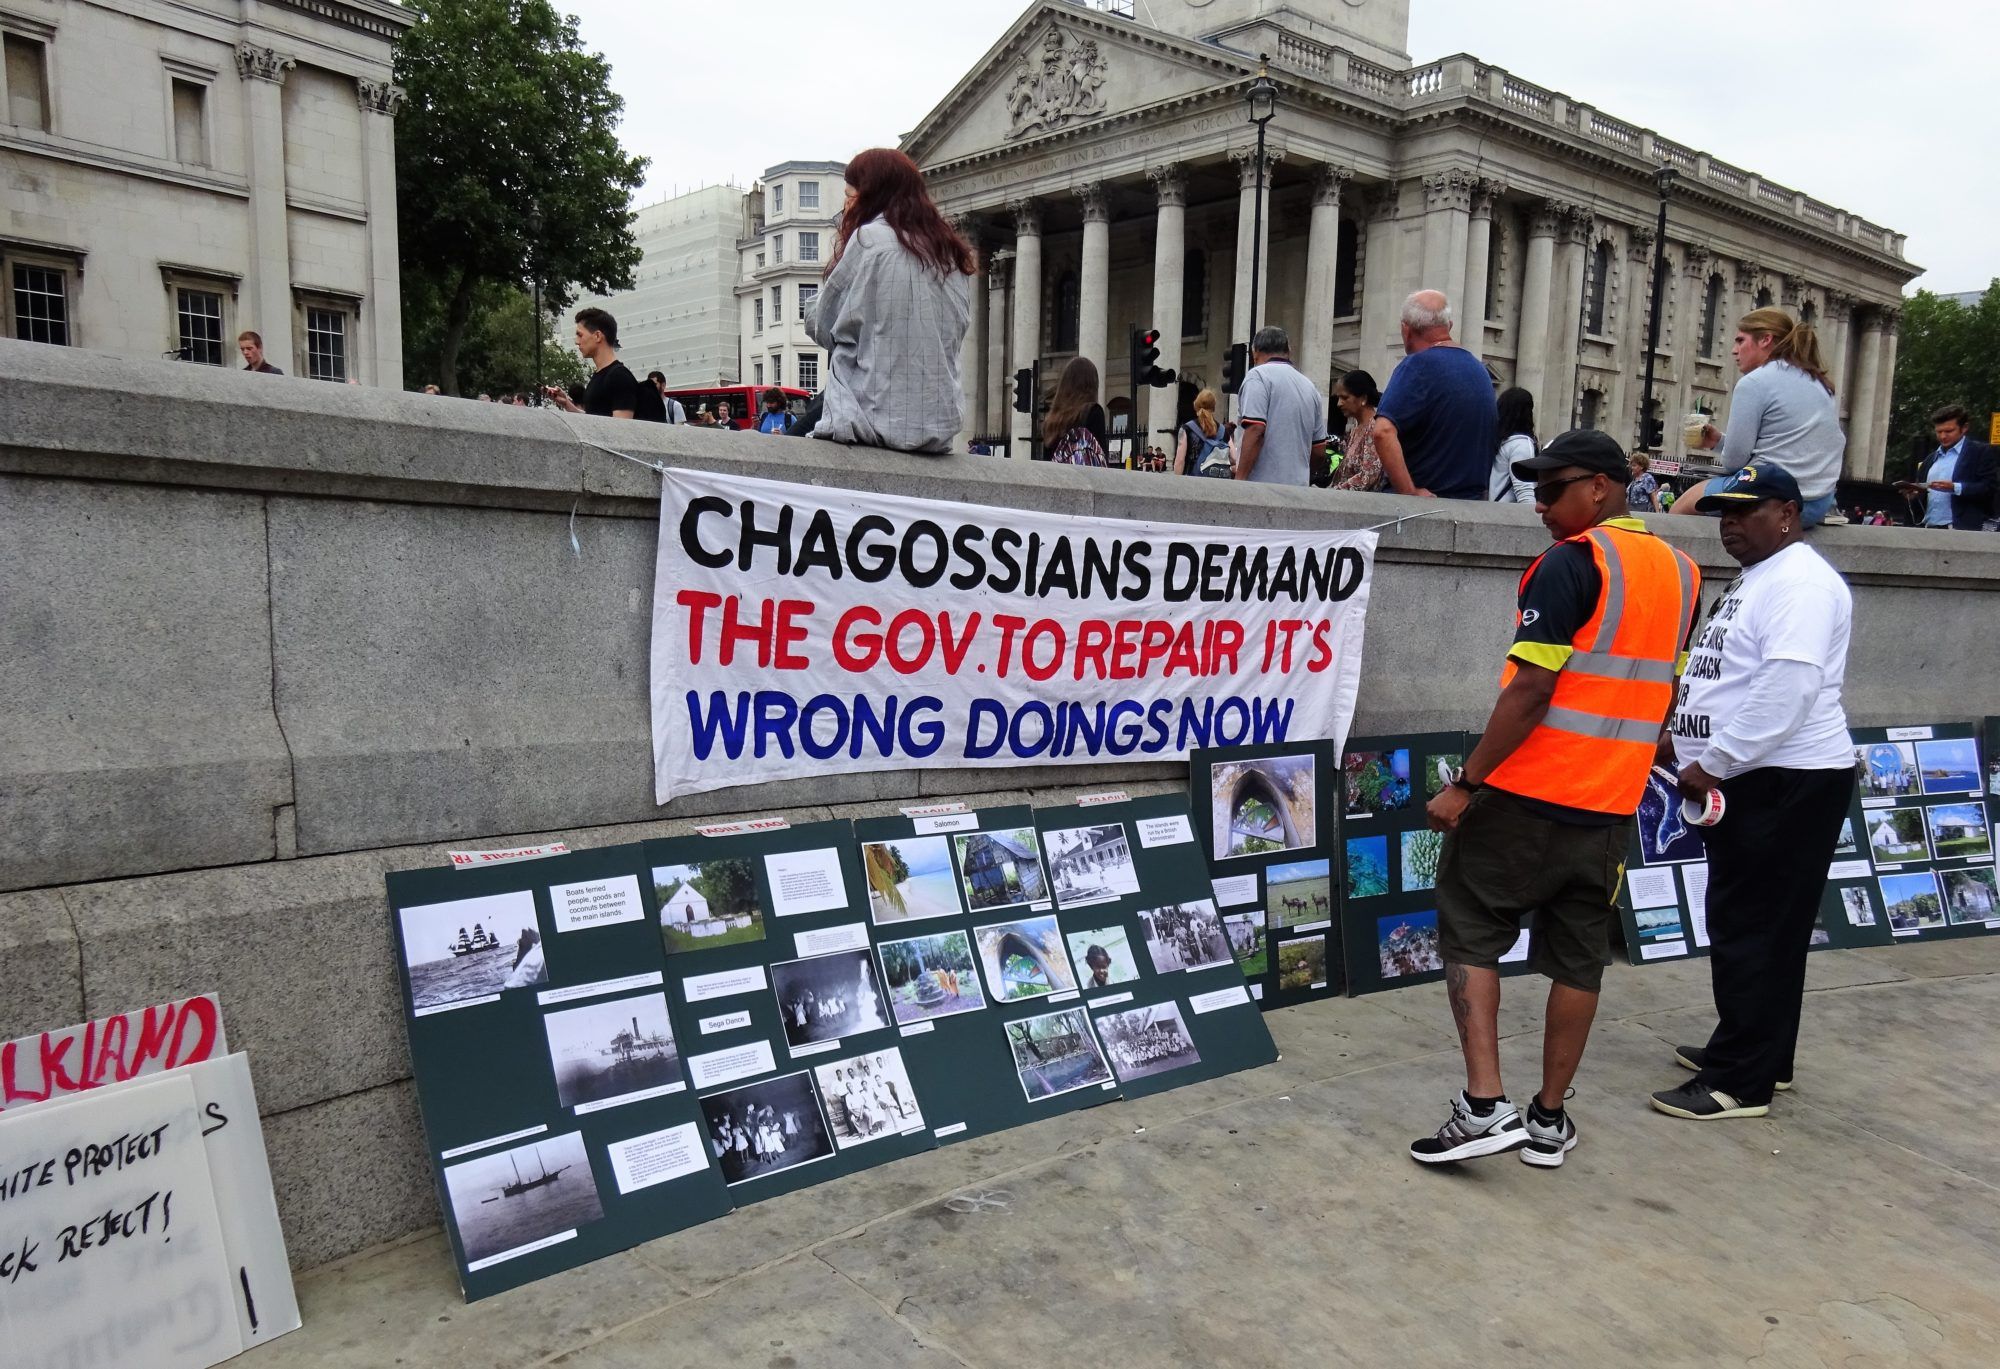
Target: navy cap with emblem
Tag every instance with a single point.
(1752, 485)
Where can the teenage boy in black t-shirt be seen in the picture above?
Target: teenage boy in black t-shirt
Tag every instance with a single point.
(613, 391)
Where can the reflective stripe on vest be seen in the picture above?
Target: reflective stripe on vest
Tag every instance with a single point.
(1593, 747)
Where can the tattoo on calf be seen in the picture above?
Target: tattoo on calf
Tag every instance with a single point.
(1455, 977)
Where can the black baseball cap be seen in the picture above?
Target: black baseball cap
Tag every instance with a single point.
(1585, 448)
(1751, 485)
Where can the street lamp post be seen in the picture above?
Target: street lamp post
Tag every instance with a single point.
(535, 271)
(1651, 432)
(1262, 97)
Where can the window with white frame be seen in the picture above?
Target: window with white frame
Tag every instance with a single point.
(40, 291)
(807, 294)
(760, 261)
(808, 370)
(777, 200)
(327, 329)
(777, 247)
(190, 106)
(26, 76)
(777, 306)
(808, 247)
(757, 372)
(756, 315)
(201, 318)
(808, 196)
(777, 368)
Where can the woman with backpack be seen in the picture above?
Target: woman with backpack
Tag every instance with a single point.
(1073, 433)
(1356, 396)
(1203, 445)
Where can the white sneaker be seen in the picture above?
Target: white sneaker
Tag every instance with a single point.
(1547, 1144)
(1468, 1135)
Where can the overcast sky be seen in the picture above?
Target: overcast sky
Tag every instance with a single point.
(1892, 121)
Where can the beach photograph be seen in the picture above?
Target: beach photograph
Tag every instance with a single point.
(1949, 766)
(909, 879)
(471, 948)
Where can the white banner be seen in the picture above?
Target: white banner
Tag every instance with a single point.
(801, 631)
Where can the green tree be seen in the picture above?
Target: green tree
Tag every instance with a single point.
(1948, 353)
(730, 886)
(508, 165)
(497, 353)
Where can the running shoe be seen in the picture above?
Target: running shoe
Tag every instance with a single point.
(1467, 1135)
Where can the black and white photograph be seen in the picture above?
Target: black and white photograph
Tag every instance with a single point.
(1056, 1054)
(618, 1050)
(868, 1097)
(1143, 1041)
(472, 948)
(1185, 936)
(1970, 896)
(510, 1199)
(766, 1128)
(826, 997)
(1091, 864)
(1860, 909)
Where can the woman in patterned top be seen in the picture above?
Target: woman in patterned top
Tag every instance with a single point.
(1360, 468)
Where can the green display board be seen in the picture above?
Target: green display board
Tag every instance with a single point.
(1923, 824)
(1267, 818)
(548, 1064)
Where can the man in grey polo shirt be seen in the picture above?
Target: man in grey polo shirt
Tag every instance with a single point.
(1283, 416)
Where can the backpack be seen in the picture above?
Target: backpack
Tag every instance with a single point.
(1077, 447)
(1208, 455)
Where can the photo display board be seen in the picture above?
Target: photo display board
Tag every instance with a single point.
(1163, 997)
(548, 1063)
(791, 1046)
(1267, 820)
(1922, 822)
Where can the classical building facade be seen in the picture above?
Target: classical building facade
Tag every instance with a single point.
(793, 214)
(177, 173)
(679, 317)
(1106, 168)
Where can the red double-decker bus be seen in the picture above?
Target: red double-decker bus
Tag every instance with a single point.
(745, 402)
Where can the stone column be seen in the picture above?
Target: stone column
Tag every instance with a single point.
(1169, 275)
(1093, 294)
(1245, 314)
(1571, 267)
(1322, 265)
(1885, 391)
(1381, 308)
(267, 290)
(1531, 339)
(1447, 216)
(1628, 391)
(384, 306)
(1027, 347)
(1744, 297)
(972, 352)
(1686, 338)
(1861, 458)
(1478, 264)
(1834, 344)
(999, 377)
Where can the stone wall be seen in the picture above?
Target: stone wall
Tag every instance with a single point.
(265, 640)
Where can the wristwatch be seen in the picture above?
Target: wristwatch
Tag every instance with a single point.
(1459, 781)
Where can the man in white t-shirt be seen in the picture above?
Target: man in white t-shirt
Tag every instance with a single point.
(1759, 717)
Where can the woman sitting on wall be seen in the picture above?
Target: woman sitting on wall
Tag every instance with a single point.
(892, 312)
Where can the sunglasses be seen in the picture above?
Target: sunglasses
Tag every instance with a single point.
(1550, 491)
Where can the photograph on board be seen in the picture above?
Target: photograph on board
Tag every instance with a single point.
(1408, 943)
(708, 904)
(1958, 830)
(1970, 896)
(1103, 956)
(1665, 838)
(1422, 849)
(472, 948)
(868, 1097)
(909, 879)
(1860, 909)
(1143, 1041)
(1659, 924)
(1896, 836)
(1246, 942)
(1367, 867)
(1911, 902)
(1091, 864)
(1438, 772)
(1376, 782)
(1055, 1054)
(766, 1128)
(1949, 765)
(1848, 844)
(1298, 891)
(1000, 869)
(1257, 806)
(1023, 958)
(505, 1202)
(826, 997)
(619, 1049)
(931, 976)
(1888, 769)
(1302, 964)
(1185, 936)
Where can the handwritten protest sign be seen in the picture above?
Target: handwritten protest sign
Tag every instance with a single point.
(801, 631)
(110, 1050)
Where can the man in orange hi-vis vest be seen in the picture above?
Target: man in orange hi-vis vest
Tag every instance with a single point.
(1541, 816)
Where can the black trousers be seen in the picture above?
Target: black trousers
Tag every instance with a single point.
(1767, 862)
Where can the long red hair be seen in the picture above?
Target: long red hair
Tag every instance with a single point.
(888, 186)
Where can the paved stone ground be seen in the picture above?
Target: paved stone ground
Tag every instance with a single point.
(1272, 1218)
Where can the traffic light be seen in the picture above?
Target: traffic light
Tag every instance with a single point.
(1234, 365)
(1024, 390)
(1145, 361)
(1652, 431)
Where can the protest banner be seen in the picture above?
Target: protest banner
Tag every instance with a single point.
(804, 631)
(110, 1050)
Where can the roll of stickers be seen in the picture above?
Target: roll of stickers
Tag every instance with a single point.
(1703, 812)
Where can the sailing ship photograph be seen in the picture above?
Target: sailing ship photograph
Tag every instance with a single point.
(471, 948)
(511, 1201)
(617, 1052)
